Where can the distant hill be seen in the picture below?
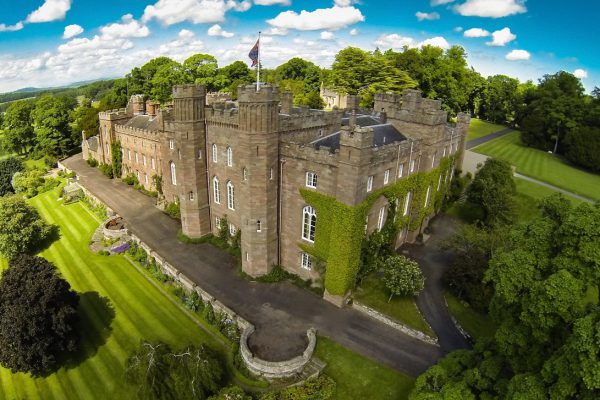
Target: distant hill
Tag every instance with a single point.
(52, 88)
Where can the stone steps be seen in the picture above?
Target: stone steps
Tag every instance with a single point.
(312, 369)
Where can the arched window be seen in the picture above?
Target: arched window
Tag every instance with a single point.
(215, 154)
(407, 204)
(173, 173)
(216, 192)
(245, 174)
(230, 196)
(258, 226)
(229, 157)
(427, 196)
(309, 223)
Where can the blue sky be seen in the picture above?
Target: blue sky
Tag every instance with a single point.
(54, 42)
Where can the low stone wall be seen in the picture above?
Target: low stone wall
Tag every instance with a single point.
(113, 233)
(394, 324)
(276, 369)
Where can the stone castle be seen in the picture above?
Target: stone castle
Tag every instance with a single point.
(271, 169)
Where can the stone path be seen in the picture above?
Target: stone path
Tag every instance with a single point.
(556, 188)
(280, 312)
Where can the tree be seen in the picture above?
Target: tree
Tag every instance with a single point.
(18, 130)
(22, 230)
(203, 69)
(38, 316)
(28, 182)
(52, 118)
(583, 147)
(493, 189)
(139, 80)
(85, 119)
(158, 372)
(165, 78)
(402, 276)
(500, 99)
(8, 167)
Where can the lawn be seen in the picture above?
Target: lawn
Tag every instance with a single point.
(358, 377)
(373, 293)
(480, 128)
(541, 165)
(119, 308)
(476, 324)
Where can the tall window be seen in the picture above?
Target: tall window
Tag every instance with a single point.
(427, 196)
(412, 166)
(439, 183)
(153, 163)
(306, 261)
(433, 160)
(311, 179)
(444, 153)
(229, 157)
(136, 157)
(230, 196)
(367, 223)
(400, 170)
(232, 229)
(386, 176)
(215, 155)
(380, 219)
(129, 155)
(218, 222)
(171, 144)
(216, 191)
(173, 173)
(258, 226)
(370, 183)
(191, 196)
(245, 174)
(407, 204)
(309, 223)
(144, 160)
(146, 178)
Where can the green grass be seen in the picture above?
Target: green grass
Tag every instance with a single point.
(358, 377)
(477, 325)
(140, 311)
(373, 293)
(480, 128)
(542, 165)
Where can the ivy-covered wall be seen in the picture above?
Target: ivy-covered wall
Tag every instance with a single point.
(340, 227)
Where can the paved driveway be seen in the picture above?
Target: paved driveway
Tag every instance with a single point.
(281, 312)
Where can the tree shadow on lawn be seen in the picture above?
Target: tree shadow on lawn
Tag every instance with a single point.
(96, 315)
(53, 236)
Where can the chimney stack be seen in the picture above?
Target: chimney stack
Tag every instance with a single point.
(287, 100)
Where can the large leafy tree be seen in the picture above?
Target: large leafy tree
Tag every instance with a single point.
(545, 305)
(139, 80)
(402, 276)
(38, 316)
(85, 119)
(165, 78)
(8, 168)
(500, 99)
(18, 130)
(22, 230)
(51, 119)
(203, 69)
(493, 189)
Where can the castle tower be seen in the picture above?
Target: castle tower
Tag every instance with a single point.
(354, 157)
(107, 136)
(185, 154)
(259, 153)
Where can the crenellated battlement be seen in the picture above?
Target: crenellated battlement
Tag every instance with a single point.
(309, 119)
(112, 115)
(248, 94)
(309, 152)
(228, 116)
(188, 91)
(137, 132)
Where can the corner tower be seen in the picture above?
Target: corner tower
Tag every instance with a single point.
(259, 152)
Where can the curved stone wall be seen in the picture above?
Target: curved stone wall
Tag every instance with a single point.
(276, 369)
(112, 233)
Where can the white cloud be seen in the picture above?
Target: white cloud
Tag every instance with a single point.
(344, 3)
(580, 73)
(326, 35)
(171, 12)
(476, 32)
(421, 16)
(398, 42)
(51, 10)
(490, 8)
(354, 32)
(440, 2)
(332, 18)
(272, 2)
(71, 31)
(216, 30)
(128, 28)
(11, 28)
(502, 37)
(517, 55)
(458, 29)
(276, 32)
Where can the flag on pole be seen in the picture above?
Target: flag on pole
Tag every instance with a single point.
(254, 54)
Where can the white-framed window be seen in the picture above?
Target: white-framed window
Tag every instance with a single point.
(173, 173)
(245, 174)
(386, 176)
(311, 179)
(427, 196)
(412, 166)
(407, 204)
(370, 183)
(144, 160)
(381, 218)
(191, 196)
(171, 144)
(306, 261)
(433, 160)
(232, 229)
(439, 183)
(366, 223)
(218, 222)
(153, 163)
(136, 157)
(199, 154)
(229, 157)
(216, 191)
(270, 173)
(137, 174)
(309, 223)
(129, 155)
(146, 178)
(258, 226)
(230, 196)
(444, 153)
(247, 256)
(400, 170)
(215, 154)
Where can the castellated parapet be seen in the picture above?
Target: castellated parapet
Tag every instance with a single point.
(112, 115)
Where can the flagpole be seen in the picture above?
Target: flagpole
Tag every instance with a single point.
(258, 66)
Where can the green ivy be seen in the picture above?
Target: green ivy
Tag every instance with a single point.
(340, 227)
(117, 155)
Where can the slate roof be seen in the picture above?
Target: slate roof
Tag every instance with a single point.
(143, 122)
(382, 134)
(362, 120)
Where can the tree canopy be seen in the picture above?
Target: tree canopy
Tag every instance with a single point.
(18, 130)
(38, 316)
(402, 276)
(8, 168)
